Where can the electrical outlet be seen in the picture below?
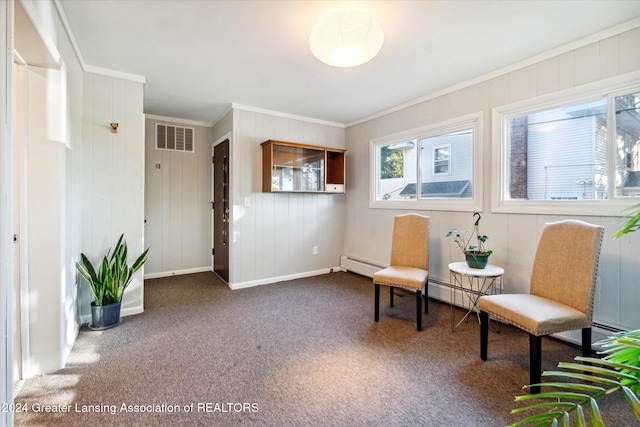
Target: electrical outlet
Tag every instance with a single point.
(314, 250)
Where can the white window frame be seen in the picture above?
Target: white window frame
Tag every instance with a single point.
(614, 205)
(474, 204)
(433, 166)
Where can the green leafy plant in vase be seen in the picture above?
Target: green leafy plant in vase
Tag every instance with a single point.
(472, 246)
(109, 282)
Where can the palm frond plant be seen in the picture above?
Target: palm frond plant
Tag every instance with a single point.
(617, 371)
(633, 222)
(114, 274)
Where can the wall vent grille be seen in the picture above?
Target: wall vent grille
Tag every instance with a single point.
(175, 138)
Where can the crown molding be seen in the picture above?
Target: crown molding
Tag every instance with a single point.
(177, 120)
(593, 38)
(83, 64)
(286, 115)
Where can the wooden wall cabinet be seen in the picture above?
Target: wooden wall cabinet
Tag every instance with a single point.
(300, 168)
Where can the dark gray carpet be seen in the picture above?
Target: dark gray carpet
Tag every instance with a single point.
(297, 353)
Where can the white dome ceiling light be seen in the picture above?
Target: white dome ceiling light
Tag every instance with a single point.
(346, 38)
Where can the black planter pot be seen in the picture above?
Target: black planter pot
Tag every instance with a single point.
(105, 316)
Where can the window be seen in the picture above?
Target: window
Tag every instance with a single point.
(627, 137)
(559, 153)
(441, 164)
(570, 154)
(395, 159)
(392, 160)
(434, 167)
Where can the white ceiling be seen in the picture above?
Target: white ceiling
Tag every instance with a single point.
(199, 57)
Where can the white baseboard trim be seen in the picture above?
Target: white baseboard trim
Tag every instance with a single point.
(267, 281)
(439, 292)
(85, 319)
(130, 311)
(178, 272)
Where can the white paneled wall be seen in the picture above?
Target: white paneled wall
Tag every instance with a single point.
(178, 204)
(113, 177)
(48, 202)
(272, 238)
(44, 172)
(513, 237)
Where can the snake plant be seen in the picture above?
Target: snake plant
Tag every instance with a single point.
(114, 275)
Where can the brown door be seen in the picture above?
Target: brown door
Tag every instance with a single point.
(221, 210)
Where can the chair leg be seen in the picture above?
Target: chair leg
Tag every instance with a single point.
(586, 342)
(376, 304)
(484, 334)
(419, 310)
(426, 298)
(586, 347)
(535, 362)
(391, 296)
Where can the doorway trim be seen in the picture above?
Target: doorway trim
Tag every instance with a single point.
(6, 207)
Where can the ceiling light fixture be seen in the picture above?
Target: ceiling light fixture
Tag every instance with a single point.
(346, 38)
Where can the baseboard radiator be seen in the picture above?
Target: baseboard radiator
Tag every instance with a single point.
(437, 289)
(359, 266)
(608, 328)
(601, 331)
(440, 290)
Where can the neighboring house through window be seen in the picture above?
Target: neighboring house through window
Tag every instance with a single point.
(581, 149)
(428, 168)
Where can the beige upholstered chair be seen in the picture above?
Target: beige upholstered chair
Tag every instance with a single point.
(409, 267)
(561, 291)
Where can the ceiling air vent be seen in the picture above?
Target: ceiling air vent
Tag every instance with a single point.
(175, 138)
